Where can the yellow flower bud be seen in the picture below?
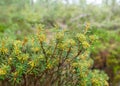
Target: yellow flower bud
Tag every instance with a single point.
(32, 63)
(85, 44)
(9, 60)
(75, 64)
(2, 71)
(41, 37)
(16, 50)
(62, 46)
(82, 57)
(71, 42)
(41, 57)
(4, 50)
(60, 35)
(35, 49)
(49, 66)
(81, 37)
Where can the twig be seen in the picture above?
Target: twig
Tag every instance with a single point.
(43, 50)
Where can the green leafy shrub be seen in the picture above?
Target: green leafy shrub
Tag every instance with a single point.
(62, 61)
(106, 55)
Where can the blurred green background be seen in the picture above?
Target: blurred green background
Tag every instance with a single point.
(18, 18)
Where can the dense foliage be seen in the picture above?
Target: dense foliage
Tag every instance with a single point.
(22, 56)
(106, 55)
(63, 60)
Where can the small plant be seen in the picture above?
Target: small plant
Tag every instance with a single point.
(63, 61)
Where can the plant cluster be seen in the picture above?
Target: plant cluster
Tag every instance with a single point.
(106, 55)
(62, 61)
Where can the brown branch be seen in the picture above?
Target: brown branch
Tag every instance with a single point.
(54, 49)
(58, 76)
(76, 55)
(25, 81)
(38, 77)
(43, 50)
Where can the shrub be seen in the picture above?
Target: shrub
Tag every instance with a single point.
(62, 61)
(106, 55)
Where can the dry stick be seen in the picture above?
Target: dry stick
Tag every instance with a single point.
(77, 55)
(51, 57)
(4, 82)
(68, 52)
(68, 72)
(59, 69)
(35, 81)
(29, 79)
(37, 78)
(53, 81)
(70, 78)
(46, 79)
(25, 82)
(76, 82)
(79, 52)
(50, 77)
(52, 54)
(60, 64)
